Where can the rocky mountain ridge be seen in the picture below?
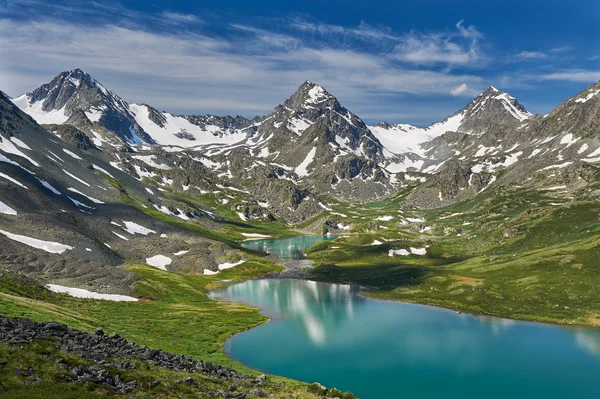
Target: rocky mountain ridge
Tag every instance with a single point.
(312, 146)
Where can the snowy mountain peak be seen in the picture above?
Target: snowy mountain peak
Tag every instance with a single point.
(492, 105)
(310, 94)
(75, 91)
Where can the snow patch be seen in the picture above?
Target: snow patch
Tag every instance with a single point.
(301, 169)
(48, 246)
(76, 178)
(97, 201)
(159, 261)
(134, 228)
(18, 183)
(224, 266)
(81, 293)
(6, 210)
(72, 154)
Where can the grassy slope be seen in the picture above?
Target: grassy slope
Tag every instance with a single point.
(545, 269)
(511, 254)
(177, 317)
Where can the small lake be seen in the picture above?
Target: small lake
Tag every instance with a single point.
(325, 333)
(286, 248)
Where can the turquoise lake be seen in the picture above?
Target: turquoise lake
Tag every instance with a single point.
(286, 248)
(326, 333)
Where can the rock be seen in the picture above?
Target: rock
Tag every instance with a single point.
(100, 332)
(55, 326)
(258, 393)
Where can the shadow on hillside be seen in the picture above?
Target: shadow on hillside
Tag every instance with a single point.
(381, 276)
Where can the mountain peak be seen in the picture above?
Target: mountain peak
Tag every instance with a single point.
(489, 90)
(492, 106)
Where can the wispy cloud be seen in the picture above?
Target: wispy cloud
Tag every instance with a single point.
(459, 90)
(572, 75)
(454, 48)
(531, 55)
(178, 72)
(183, 63)
(179, 17)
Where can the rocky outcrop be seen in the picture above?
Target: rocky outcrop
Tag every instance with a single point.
(112, 357)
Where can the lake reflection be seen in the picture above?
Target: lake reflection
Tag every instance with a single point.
(324, 332)
(314, 307)
(286, 248)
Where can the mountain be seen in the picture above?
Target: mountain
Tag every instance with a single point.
(554, 150)
(78, 198)
(57, 197)
(76, 98)
(76, 95)
(312, 147)
(490, 108)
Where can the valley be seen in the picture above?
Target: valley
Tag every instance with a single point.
(492, 212)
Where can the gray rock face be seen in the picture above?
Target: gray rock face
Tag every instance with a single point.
(311, 146)
(227, 124)
(492, 108)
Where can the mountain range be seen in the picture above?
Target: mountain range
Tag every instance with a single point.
(82, 166)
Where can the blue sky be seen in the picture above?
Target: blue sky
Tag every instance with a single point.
(402, 61)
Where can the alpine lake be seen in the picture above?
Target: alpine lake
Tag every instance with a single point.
(328, 333)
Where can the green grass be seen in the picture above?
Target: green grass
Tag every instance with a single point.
(29, 371)
(546, 269)
(176, 316)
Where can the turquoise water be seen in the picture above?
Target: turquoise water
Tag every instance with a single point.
(326, 333)
(286, 248)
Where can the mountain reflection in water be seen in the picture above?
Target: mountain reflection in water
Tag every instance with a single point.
(315, 306)
(286, 248)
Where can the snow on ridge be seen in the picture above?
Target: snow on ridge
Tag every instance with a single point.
(102, 170)
(568, 139)
(76, 178)
(134, 228)
(38, 114)
(507, 100)
(18, 183)
(6, 210)
(298, 125)
(177, 124)
(95, 113)
(8, 146)
(81, 293)
(48, 186)
(72, 154)
(48, 246)
(97, 201)
(316, 95)
(301, 169)
(402, 138)
(19, 143)
(589, 96)
(149, 160)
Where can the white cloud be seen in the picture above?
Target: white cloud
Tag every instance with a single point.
(179, 17)
(573, 75)
(454, 48)
(458, 90)
(531, 55)
(195, 73)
